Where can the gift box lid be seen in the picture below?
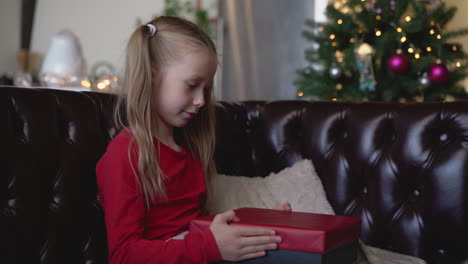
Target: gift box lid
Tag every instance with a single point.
(317, 233)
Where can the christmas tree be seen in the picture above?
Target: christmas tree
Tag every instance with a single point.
(384, 50)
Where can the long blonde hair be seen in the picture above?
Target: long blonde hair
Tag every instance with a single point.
(146, 55)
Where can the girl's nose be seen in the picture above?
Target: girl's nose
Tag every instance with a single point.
(199, 99)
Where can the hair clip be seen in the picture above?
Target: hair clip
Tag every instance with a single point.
(152, 30)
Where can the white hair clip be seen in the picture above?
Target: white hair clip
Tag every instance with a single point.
(152, 30)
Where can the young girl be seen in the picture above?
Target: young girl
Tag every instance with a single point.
(152, 178)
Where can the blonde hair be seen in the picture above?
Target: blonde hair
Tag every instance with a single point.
(148, 55)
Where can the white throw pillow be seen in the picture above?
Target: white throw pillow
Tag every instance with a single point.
(299, 185)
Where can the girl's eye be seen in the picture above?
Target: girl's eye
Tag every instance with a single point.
(192, 85)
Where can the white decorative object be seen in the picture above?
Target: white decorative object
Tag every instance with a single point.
(23, 79)
(64, 65)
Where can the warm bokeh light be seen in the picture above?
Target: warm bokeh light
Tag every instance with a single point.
(101, 85)
(85, 83)
(403, 39)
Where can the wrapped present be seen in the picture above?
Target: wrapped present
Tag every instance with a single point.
(305, 232)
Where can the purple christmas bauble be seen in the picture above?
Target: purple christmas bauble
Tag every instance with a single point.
(438, 73)
(398, 63)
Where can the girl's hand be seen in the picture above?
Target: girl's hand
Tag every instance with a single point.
(284, 207)
(237, 243)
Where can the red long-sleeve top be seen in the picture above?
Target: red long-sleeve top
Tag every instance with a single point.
(137, 234)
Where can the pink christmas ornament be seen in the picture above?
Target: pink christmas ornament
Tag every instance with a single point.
(438, 73)
(398, 62)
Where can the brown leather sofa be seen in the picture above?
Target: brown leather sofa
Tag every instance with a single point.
(402, 168)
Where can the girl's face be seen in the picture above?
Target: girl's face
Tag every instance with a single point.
(180, 93)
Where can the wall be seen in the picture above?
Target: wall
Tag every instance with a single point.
(460, 21)
(10, 13)
(103, 27)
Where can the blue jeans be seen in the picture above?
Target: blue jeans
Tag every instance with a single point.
(282, 256)
(345, 254)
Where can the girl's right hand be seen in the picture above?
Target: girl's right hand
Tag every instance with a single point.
(237, 243)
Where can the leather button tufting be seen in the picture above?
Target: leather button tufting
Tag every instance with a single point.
(443, 137)
(364, 190)
(441, 252)
(416, 193)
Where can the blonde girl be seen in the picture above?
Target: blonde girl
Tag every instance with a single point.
(152, 178)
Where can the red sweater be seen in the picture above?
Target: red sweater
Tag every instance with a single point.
(137, 234)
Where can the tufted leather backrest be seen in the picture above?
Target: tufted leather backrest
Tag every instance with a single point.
(51, 141)
(402, 168)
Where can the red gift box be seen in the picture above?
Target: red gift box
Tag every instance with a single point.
(317, 233)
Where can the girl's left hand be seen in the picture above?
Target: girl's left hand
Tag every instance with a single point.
(286, 207)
